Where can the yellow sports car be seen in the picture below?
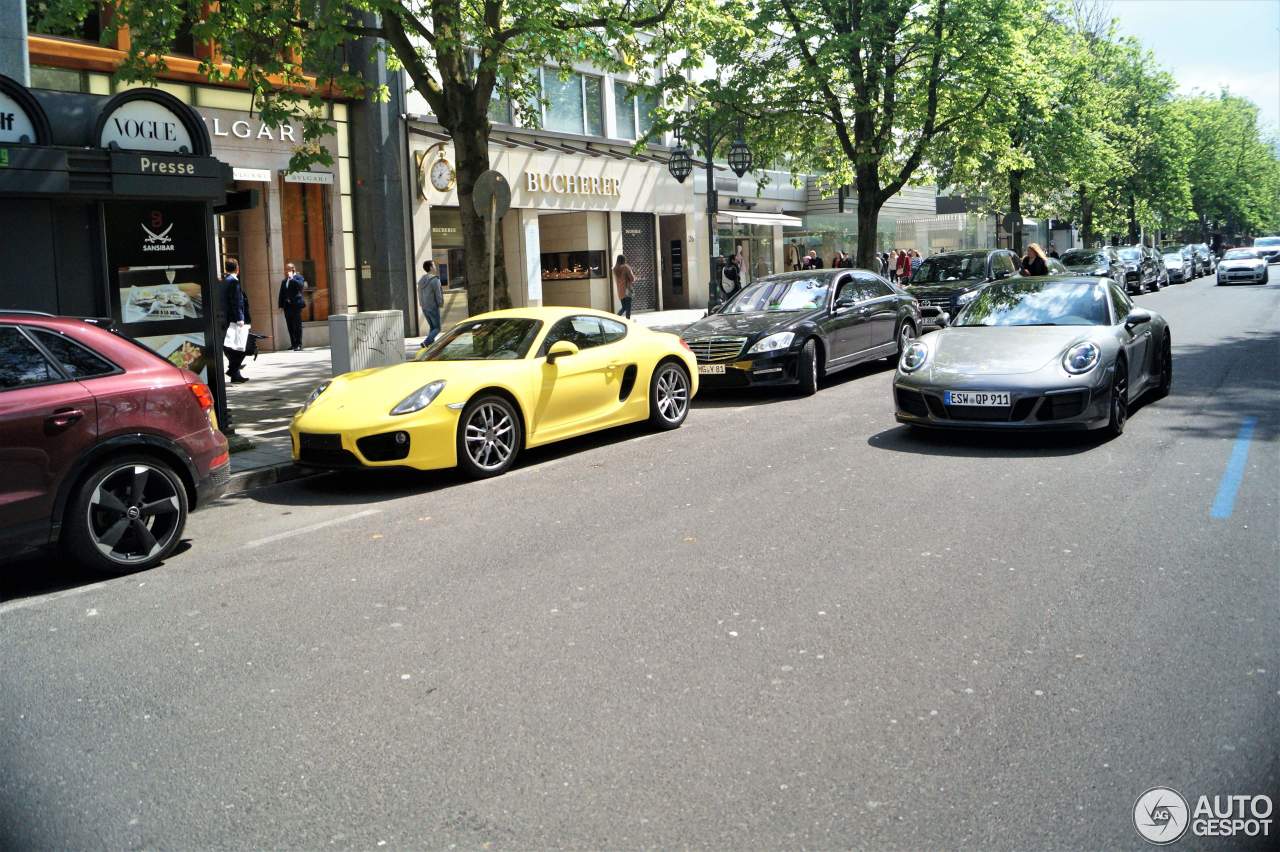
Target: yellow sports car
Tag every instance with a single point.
(495, 384)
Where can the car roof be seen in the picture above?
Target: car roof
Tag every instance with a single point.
(49, 320)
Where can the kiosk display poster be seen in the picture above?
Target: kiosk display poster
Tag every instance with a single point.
(160, 289)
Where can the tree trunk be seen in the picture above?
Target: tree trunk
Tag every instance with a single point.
(471, 147)
(1086, 217)
(1133, 220)
(868, 218)
(1015, 210)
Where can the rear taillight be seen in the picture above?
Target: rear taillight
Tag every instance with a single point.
(202, 394)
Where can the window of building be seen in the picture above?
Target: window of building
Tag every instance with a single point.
(58, 79)
(574, 104)
(41, 21)
(633, 111)
(499, 106)
(304, 218)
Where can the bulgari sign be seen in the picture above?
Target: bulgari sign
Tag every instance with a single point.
(250, 128)
(572, 184)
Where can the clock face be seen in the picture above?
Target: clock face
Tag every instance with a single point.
(442, 175)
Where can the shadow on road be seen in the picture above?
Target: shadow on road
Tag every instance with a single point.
(940, 442)
(48, 571)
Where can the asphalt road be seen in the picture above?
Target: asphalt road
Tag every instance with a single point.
(788, 624)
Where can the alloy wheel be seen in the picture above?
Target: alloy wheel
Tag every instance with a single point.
(1120, 398)
(672, 393)
(490, 436)
(134, 514)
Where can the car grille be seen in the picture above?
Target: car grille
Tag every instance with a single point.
(384, 447)
(943, 302)
(1060, 406)
(324, 451)
(912, 402)
(709, 349)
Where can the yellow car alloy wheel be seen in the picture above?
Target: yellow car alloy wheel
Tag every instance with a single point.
(489, 436)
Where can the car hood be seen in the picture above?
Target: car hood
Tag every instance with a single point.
(378, 390)
(1241, 263)
(1000, 350)
(745, 325)
(943, 288)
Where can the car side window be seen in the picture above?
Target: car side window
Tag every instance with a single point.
(1122, 302)
(612, 330)
(847, 292)
(1002, 265)
(582, 331)
(79, 362)
(872, 287)
(21, 363)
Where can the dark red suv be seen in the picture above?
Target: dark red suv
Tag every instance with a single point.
(104, 446)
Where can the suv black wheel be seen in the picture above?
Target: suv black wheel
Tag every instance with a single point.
(807, 370)
(127, 515)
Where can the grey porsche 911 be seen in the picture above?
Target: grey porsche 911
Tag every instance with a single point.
(1056, 352)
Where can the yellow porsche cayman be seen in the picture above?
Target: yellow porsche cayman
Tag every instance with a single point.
(495, 384)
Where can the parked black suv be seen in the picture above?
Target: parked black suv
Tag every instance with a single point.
(943, 283)
(1140, 273)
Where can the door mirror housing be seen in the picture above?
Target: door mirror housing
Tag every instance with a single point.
(1137, 316)
(561, 349)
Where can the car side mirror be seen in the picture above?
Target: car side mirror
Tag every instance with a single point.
(561, 349)
(1136, 317)
(843, 305)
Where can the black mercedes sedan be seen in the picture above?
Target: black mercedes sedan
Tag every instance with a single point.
(795, 327)
(945, 282)
(1141, 273)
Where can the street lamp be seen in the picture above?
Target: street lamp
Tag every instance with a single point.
(681, 166)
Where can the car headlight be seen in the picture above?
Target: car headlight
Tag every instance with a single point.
(420, 398)
(966, 298)
(1101, 270)
(314, 395)
(914, 356)
(1081, 358)
(773, 343)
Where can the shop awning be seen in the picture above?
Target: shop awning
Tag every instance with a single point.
(736, 218)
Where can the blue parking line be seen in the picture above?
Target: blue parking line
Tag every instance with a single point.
(1226, 499)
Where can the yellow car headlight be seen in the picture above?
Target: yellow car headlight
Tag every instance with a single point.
(420, 398)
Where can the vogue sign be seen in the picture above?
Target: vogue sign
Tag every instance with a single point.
(144, 125)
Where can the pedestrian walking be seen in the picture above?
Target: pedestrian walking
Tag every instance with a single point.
(904, 265)
(1034, 261)
(892, 266)
(916, 260)
(624, 280)
(431, 300)
(291, 300)
(236, 313)
(815, 262)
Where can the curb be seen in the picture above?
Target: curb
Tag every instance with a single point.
(260, 477)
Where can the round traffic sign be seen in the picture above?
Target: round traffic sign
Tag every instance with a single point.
(492, 193)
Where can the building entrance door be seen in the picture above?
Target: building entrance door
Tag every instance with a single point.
(639, 246)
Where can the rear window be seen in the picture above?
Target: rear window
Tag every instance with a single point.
(77, 360)
(21, 363)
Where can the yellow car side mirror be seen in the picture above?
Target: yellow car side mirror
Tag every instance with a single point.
(561, 349)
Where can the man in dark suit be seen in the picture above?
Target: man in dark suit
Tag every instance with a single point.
(292, 302)
(236, 307)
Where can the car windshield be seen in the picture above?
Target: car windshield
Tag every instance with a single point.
(1084, 257)
(950, 267)
(1131, 253)
(785, 294)
(1173, 255)
(1239, 254)
(1038, 303)
(485, 340)
(1267, 241)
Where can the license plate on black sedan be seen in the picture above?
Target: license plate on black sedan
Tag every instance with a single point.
(994, 399)
(711, 369)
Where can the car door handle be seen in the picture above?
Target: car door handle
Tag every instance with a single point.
(64, 417)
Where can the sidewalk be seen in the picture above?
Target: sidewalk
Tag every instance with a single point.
(280, 382)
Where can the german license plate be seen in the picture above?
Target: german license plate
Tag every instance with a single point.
(711, 369)
(994, 399)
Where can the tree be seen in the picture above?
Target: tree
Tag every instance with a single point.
(865, 91)
(458, 55)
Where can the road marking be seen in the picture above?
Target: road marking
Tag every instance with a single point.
(310, 528)
(22, 603)
(1231, 477)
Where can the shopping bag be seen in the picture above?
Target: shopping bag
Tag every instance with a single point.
(237, 337)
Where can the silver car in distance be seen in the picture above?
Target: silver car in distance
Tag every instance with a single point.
(1056, 352)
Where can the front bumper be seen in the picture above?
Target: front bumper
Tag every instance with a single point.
(1245, 276)
(760, 371)
(1031, 408)
(326, 442)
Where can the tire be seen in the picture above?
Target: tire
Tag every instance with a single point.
(807, 370)
(127, 515)
(668, 396)
(489, 437)
(1119, 406)
(1166, 368)
(906, 334)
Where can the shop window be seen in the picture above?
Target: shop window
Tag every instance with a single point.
(58, 79)
(572, 265)
(446, 247)
(42, 19)
(633, 111)
(304, 218)
(574, 104)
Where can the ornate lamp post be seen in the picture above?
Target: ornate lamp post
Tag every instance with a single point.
(681, 166)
